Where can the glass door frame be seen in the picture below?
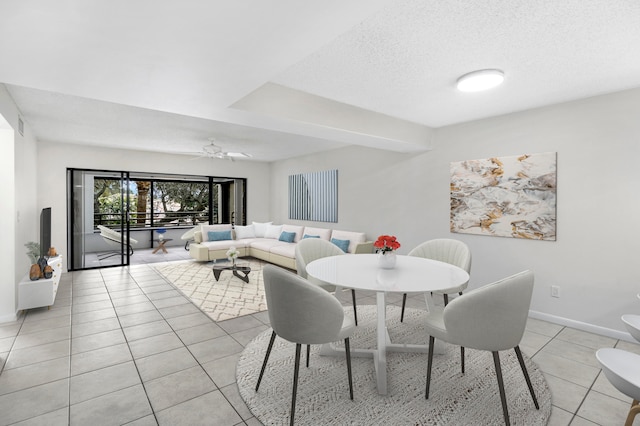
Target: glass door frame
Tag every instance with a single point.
(78, 228)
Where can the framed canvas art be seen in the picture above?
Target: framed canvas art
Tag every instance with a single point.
(314, 196)
(512, 196)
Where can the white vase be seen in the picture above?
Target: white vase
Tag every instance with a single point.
(387, 259)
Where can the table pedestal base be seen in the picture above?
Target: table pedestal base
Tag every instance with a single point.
(383, 345)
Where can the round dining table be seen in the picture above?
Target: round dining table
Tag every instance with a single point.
(410, 275)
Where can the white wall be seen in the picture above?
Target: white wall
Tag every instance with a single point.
(55, 158)
(595, 255)
(18, 172)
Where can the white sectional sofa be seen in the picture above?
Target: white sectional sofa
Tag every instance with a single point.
(273, 243)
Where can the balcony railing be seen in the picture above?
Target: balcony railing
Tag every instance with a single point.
(164, 219)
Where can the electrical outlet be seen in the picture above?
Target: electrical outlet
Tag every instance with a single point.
(555, 291)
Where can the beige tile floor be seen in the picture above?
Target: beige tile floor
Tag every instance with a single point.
(122, 346)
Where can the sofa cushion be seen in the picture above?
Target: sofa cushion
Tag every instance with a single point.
(287, 236)
(298, 230)
(245, 232)
(266, 244)
(323, 233)
(273, 232)
(224, 244)
(353, 237)
(216, 228)
(286, 250)
(260, 228)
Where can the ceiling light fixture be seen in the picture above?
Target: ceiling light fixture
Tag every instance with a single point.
(477, 81)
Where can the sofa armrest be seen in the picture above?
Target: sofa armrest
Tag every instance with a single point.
(366, 247)
(199, 252)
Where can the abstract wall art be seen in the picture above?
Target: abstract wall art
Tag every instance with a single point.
(314, 196)
(513, 196)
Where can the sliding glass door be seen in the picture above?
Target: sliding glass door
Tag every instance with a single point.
(115, 217)
(98, 219)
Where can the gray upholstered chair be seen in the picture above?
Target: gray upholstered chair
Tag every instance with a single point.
(310, 249)
(446, 250)
(304, 314)
(490, 318)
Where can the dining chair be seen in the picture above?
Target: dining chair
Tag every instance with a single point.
(622, 369)
(446, 250)
(632, 323)
(310, 249)
(304, 314)
(490, 318)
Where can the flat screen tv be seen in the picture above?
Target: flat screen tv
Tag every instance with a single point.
(45, 231)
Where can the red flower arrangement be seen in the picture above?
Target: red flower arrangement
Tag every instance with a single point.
(386, 243)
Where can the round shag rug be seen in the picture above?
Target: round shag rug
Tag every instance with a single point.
(323, 388)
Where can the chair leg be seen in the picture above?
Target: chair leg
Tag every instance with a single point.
(462, 358)
(308, 354)
(296, 370)
(355, 313)
(429, 363)
(347, 352)
(526, 376)
(635, 409)
(108, 254)
(266, 358)
(404, 302)
(503, 397)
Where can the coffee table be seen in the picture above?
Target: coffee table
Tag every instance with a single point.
(240, 270)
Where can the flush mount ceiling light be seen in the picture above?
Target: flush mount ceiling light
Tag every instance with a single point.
(477, 81)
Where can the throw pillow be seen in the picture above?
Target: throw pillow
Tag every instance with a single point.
(273, 231)
(287, 237)
(219, 235)
(343, 244)
(205, 229)
(260, 228)
(245, 232)
(310, 236)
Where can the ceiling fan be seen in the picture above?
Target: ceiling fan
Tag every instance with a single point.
(215, 151)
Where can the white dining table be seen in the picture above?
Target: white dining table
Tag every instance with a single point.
(410, 275)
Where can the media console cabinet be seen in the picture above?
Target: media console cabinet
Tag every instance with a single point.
(42, 292)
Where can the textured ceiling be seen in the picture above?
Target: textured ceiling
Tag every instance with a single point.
(284, 78)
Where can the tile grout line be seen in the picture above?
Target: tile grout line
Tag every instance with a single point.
(133, 359)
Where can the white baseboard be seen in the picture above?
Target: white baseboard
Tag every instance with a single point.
(595, 329)
(8, 318)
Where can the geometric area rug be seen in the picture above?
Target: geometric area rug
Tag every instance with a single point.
(471, 398)
(227, 298)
